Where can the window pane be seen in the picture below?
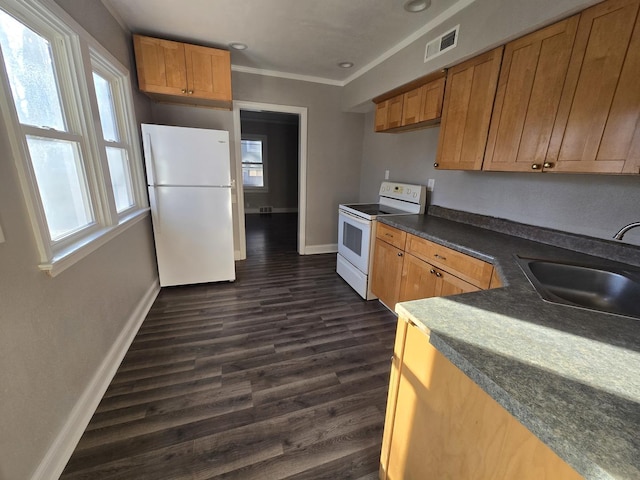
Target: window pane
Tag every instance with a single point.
(62, 185)
(252, 175)
(251, 151)
(106, 108)
(120, 178)
(29, 65)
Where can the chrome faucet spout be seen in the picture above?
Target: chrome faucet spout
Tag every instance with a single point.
(625, 229)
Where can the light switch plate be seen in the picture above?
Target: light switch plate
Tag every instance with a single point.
(431, 184)
(386, 174)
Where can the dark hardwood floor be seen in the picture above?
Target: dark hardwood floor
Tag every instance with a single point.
(281, 374)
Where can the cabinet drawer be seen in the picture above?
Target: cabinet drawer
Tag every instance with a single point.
(391, 235)
(463, 266)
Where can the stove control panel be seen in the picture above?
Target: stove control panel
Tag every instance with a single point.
(403, 191)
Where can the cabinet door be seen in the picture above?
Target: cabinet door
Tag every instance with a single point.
(418, 280)
(423, 280)
(395, 111)
(432, 96)
(160, 65)
(446, 427)
(387, 273)
(382, 116)
(533, 71)
(411, 106)
(468, 102)
(208, 72)
(596, 129)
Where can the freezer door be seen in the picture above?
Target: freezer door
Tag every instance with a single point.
(193, 233)
(186, 156)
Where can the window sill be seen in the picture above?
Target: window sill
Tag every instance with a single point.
(89, 244)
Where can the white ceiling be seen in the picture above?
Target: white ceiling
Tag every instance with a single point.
(294, 37)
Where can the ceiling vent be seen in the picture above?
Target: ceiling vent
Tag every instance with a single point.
(441, 44)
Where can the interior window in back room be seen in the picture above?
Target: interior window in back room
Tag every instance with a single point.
(254, 153)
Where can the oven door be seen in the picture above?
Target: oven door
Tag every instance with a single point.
(354, 240)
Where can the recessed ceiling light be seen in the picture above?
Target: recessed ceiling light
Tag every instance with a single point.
(415, 6)
(238, 46)
(345, 64)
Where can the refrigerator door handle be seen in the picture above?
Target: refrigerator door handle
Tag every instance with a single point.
(155, 209)
(148, 153)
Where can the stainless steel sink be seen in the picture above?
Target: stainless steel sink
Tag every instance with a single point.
(607, 290)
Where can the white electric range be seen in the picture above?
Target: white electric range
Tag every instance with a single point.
(357, 230)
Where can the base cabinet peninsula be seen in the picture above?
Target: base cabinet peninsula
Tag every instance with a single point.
(407, 267)
(440, 425)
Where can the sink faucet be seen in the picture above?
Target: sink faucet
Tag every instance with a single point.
(625, 229)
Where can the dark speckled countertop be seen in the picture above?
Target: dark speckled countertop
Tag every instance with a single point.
(571, 376)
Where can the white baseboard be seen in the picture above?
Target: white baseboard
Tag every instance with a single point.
(59, 453)
(273, 210)
(318, 249)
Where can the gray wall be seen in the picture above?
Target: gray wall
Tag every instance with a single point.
(55, 332)
(282, 160)
(594, 205)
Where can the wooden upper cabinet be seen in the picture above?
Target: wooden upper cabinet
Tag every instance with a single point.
(531, 78)
(184, 72)
(208, 72)
(412, 106)
(417, 104)
(468, 103)
(382, 116)
(161, 65)
(597, 128)
(431, 100)
(395, 112)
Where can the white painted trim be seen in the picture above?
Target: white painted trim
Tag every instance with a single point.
(302, 167)
(54, 461)
(273, 210)
(290, 76)
(319, 249)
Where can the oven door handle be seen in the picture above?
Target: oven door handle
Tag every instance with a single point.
(351, 216)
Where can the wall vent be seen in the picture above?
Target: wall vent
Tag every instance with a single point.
(266, 209)
(441, 44)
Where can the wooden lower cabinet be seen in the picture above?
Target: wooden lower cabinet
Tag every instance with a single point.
(423, 280)
(441, 425)
(387, 273)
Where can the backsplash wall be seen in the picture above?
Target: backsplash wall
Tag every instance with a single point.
(593, 205)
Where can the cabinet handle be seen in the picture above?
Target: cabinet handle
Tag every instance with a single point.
(388, 235)
(438, 274)
(439, 256)
(399, 254)
(547, 165)
(432, 271)
(190, 92)
(184, 90)
(436, 165)
(535, 166)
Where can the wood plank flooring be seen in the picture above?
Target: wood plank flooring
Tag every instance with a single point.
(281, 374)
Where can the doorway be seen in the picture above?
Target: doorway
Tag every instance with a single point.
(261, 189)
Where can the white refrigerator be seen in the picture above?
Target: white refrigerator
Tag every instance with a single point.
(189, 181)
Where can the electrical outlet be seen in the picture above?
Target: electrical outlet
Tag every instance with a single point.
(431, 184)
(386, 174)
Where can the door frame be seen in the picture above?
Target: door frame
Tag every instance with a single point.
(302, 167)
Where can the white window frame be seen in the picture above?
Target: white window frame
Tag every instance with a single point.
(265, 176)
(120, 82)
(75, 53)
